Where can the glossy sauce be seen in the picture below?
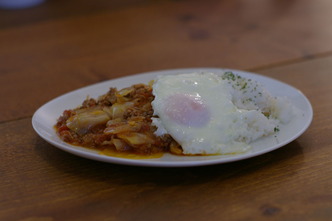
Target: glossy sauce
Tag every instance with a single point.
(128, 155)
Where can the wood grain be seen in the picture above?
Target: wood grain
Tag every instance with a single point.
(60, 9)
(292, 183)
(61, 55)
(62, 45)
(50, 183)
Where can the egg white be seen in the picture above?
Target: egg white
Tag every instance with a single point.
(228, 128)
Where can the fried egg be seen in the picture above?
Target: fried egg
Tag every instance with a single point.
(208, 113)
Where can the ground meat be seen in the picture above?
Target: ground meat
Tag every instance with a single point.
(118, 120)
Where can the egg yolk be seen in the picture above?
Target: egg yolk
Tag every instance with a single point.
(188, 110)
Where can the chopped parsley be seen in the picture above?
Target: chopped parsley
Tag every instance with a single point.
(229, 76)
(244, 86)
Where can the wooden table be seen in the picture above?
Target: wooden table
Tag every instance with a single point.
(60, 46)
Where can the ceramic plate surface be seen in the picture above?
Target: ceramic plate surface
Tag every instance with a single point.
(45, 117)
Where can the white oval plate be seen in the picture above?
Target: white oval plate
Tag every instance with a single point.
(46, 116)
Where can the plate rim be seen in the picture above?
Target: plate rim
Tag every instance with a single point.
(94, 155)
